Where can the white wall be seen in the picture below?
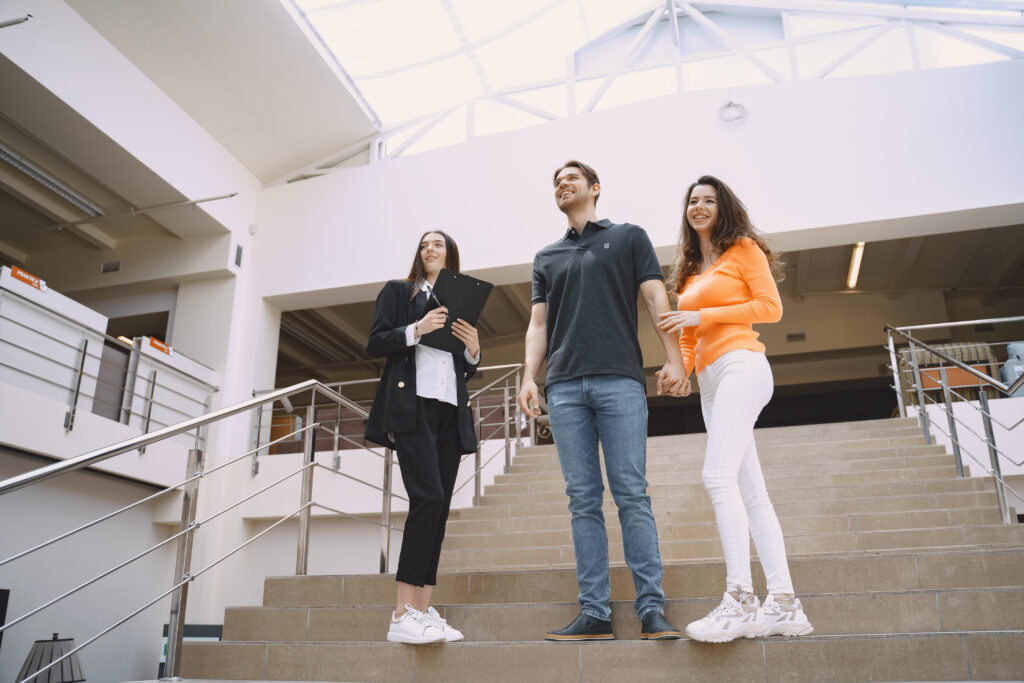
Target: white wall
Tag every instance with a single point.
(132, 651)
(824, 162)
(1006, 412)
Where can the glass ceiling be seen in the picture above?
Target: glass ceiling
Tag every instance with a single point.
(436, 72)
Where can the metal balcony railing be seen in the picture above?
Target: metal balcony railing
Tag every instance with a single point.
(497, 398)
(962, 373)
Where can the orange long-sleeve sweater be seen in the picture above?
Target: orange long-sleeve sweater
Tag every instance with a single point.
(733, 294)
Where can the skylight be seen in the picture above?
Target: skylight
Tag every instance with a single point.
(437, 72)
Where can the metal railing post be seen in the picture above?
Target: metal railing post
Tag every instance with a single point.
(478, 457)
(69, 417)
(259, 438)
(922, 413)
(336, 460)
(508, 436)
(183, 565)
(519, 416)
(997, 473)
(306, 492)
(897, 385)
(385, 513)
(947, 399)
(149, 408)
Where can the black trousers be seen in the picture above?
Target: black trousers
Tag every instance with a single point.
(429, 459)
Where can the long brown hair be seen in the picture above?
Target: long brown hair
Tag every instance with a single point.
(732, 225)
(418, 274)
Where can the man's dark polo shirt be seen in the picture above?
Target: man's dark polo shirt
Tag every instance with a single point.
(590, 284)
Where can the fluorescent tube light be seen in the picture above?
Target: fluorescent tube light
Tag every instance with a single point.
(855, 258)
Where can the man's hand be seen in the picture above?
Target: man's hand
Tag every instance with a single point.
(529, 398)
(672, 381)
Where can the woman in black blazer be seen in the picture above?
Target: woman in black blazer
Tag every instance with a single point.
(422, 410)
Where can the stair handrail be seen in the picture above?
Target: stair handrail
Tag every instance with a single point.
(100, 454)
(993, 468)
(190, 522)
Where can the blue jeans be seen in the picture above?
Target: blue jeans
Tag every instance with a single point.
(612, 409)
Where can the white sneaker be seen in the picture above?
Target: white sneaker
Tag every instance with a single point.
(774, 619)
(450, 634)
(727, 622)
(413, 627)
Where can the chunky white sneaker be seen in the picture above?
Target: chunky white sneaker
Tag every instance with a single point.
(450, 634)
(775, 619)
(413, 627)
(727, 622)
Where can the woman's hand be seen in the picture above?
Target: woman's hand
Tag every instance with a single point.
(434, 320)
(674, 321)
(467, 334)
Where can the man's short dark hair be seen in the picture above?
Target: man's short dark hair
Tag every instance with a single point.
(588, 173)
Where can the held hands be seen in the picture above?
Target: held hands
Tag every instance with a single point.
(675, 321)
(467, 334)
(529, 398)
(671, 380)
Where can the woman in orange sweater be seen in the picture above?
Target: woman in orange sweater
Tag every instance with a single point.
(724, 275)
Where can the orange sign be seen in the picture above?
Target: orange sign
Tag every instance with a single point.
(28, 278)
(160, 346)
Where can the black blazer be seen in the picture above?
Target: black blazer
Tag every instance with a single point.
(394, 406)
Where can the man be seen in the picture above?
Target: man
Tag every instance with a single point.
(584, 319)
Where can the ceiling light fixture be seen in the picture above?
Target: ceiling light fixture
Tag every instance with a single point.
(855, 259)
(48, 181)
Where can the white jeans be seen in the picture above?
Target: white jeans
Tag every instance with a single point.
(733, 390)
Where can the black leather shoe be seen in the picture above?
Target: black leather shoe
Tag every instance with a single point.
(585, 627)
(656, 627)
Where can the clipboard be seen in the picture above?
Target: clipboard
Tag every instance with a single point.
(465, 297)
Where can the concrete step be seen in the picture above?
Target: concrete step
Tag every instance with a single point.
(780, 490)
(690, 472)
(910, 657)
(559, 532)
(816, 451)
(808, 476)
(810, 544)
(920, 611)
(945, 570)
(956, 505)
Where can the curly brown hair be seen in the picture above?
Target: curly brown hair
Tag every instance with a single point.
(732, 225)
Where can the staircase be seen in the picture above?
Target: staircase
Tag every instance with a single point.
(903, 568)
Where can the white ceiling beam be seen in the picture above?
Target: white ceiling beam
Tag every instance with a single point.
(677, 41)
(866, 9)
(13, 253)
(715, 30)
(1005, 50)
(915, 54)
(633, 49)
(787, 32)
(54, 208)
(843, 58)
(424, 129)
(529, 109)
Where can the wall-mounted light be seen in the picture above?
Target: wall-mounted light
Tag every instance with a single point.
(731, 112)
(126, 340)
(855, 259)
